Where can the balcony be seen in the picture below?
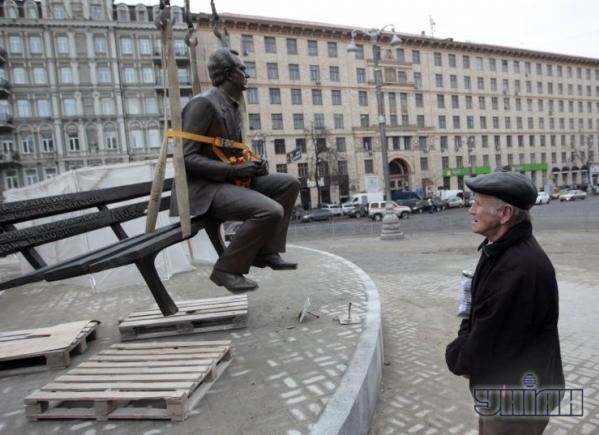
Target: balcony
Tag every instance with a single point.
(9, 158)
(4, 88)
(6, 122)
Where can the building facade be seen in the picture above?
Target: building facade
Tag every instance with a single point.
(80, 85)
(85, 88)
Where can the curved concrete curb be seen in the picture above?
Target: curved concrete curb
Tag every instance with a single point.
(351, 408)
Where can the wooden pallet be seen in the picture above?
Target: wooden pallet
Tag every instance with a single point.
(134, 381)
(31, 350)
(202, 315)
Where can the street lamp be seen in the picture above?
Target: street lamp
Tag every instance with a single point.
(390, 221)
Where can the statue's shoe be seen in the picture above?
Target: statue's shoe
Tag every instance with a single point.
(274, 261)
(234, 282)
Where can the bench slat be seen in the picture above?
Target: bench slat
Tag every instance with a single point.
(14, 241)
(20, 211)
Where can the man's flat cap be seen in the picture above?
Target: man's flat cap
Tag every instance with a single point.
(512, 187)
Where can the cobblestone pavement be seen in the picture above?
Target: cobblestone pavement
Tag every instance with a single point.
(282, 374)
(418, 280)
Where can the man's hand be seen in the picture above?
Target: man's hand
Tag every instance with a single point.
(245, 170)
(263, 167)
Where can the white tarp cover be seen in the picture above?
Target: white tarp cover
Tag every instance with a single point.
(170, 261)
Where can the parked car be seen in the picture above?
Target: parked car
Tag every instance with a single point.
(411, 199)
(335, 208)
(438, 204)
(572, 195)
(376, 210)
(359, 210)
(556, 193)
(347, 208)
(318, 214)
(543, 198)
(454, 202)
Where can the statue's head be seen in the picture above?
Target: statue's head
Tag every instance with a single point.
(222, 66)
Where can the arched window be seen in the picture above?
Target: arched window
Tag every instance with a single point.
(110, 137)
(10, 10)
(122, 13)
(92, 138)
(47, 138)
(31, 10)
(154, 135)
(141, 13)
(136, 136)
(74, 144)
(177, 15)
(26, 140)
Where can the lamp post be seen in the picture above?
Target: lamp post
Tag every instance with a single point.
(390, 228)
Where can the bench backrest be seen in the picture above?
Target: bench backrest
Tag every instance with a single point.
(14, 240)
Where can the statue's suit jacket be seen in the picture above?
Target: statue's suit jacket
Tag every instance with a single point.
(209, 114)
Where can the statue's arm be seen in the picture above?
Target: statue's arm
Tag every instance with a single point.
(198, 115)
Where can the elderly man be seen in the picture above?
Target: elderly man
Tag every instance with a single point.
(265, 207)
(510, 340)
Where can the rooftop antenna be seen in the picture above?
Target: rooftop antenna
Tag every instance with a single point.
(432, 24)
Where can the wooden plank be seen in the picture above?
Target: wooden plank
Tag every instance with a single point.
(146, 364)
(122, 386)
(187, 307)
(42, 341)
(171, 344)
(129, 378)
(182, 318)
(153, 357)
(103, 395)
(136, 370)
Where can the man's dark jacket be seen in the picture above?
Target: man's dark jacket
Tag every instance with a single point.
(512, 328)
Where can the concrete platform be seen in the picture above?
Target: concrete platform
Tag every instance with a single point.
(285, 377)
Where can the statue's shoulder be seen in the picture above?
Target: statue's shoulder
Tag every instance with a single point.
(208, 98)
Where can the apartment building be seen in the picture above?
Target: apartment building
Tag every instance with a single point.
(80, 85)
(86, 89)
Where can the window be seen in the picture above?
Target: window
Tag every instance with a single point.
(480, 83)
(73, 137)
(104, 75)
(107, 105)
(442, 122)
(270, 44)
(468, 102)
(340, 145)
(482, 104)
(361, 75)
(332, 49)
(35, 44)
(69, 106)
(275, 95)
(252, 95)
(250, 69)
(424, 163)
(280, 146)
(438, 59)
(15, 44)
(478, 63)
(415, 56)
(23, 108)
(315, 73)
(455, 102)
(43, 108)
(319, 120)
(467, 82)
(368, 166)
(312, 48)
(441, 101)
(316, 97)
(364, 120)
(66, 75)
(281, 168)
(130, 74)
(439, 80)
(453, 81)
(47, 141)
(126, 46)
(291, 46)
(272, 70)
(277, 121)
(133, 106)
(137, 138)
(466, 62)
(470, 122)
(456, 121)
(96, 12)
(336, 97)
(296, 97)
(39, 75)
(100, 44)
(298, 121)
(362, 98)
(154, 137)
(334, 73)
(147, 73)
(338, 121)
(150, 104)
(145, 46)
(418, 80)
(62, 44)
(247, 44)
(294, 71)
(452, 61)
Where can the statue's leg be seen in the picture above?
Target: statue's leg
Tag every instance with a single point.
(261, 216)
(284, 189)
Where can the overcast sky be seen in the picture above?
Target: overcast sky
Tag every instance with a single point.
(558, 26)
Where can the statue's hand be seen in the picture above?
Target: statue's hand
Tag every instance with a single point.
(262, 168)
(245, 170)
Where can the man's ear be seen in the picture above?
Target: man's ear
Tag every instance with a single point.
(506, 214)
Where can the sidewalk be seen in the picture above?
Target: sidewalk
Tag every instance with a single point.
(418, 280)
(285, 377)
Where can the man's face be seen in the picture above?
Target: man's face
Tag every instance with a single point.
(238, 76)
(486, 217)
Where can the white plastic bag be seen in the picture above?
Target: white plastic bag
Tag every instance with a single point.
(465, 295)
